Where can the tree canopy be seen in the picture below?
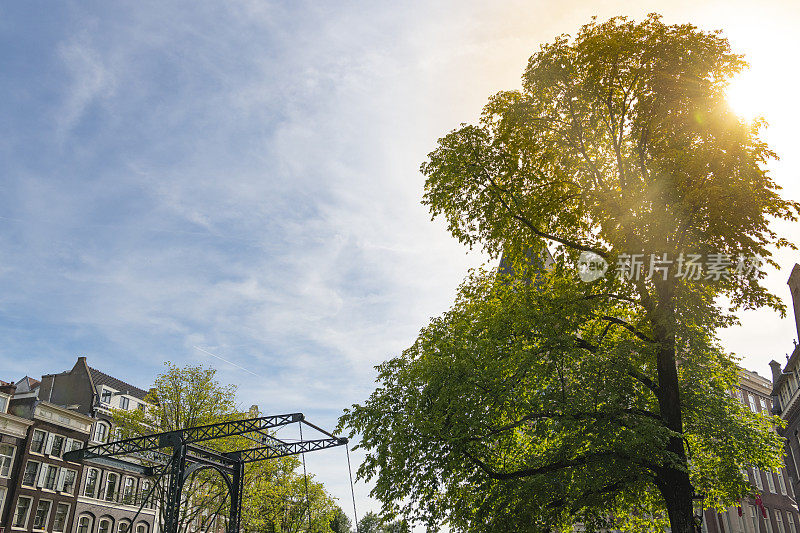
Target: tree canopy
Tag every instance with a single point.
(542, 399)
(276, 497)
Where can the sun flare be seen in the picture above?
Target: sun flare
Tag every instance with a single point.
(745, 95)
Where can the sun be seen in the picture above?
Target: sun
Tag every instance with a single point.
(745, 95)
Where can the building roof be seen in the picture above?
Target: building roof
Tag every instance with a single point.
(101, 378)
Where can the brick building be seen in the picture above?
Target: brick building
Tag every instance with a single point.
(775, 489)
(42, 486)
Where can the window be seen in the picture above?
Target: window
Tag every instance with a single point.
(91, 483)
(85, 524)
(790, 521)
(768, 522)
(111, 486)
(6, 459)
(29, 476)
(50, 477)
(757, 478)
(60, 518)
(37, 442)
(105, 526)
(124, 403)
(141, 528)
(754, 519)
(3, 404)
(764, 406)
(57, 446)
(123, 527)
(141, 408)
(42, 514)
(127, 493)
(21, 512)
(66, 481)
(781, 482)
(770, 481)
(779, 521)
(105, 396)
(100, 431)
(2, 499)
(145, 493)
(753, 405)
(75, 445)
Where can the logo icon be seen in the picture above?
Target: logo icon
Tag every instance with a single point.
(591, 266)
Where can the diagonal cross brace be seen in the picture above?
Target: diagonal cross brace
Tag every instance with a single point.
(274, 451)
(186, 436)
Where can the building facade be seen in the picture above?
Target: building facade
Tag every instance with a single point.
(13, 435)
(110, 500)
(42, 488)
(786, 390)
(775, 490)
(40, 492)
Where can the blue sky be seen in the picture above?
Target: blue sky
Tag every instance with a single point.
(242, 176)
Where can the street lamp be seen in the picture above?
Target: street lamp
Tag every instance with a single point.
(697, 507)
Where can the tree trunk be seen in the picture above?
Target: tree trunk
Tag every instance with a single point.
(673, 480)
(676, 489)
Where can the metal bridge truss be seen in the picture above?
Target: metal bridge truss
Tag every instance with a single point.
(146, 455)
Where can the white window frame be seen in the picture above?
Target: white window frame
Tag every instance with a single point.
(89, 528)
(757, 479)
(790, 521)
(753, 402)
(124, 522)
(142, 525)
(779, 521)
(113, 487)
(106, 430)
(781, 481)
(35, 475)
(3, 492)
(125, 487)
(6, 465)
(44, 441)
(103, 392)
(53, 438)
(770, 482)
(754, 519)
(110, 524)
(46, 518)
(27, 513)
(124, 402)
(62, 480)
(96, 483)
(46, 477)
(66, 517)
(767, 521)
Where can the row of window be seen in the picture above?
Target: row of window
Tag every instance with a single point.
(754, 517)
(41, 515)
(124, 401)
(771, 481)
(789, 388)
(49, 477)
(110, 491)
(106, 525)
(52, 444)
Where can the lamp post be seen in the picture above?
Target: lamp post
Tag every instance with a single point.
(697, 507)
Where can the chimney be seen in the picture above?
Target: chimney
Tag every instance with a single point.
(794, 288)
(776, 370)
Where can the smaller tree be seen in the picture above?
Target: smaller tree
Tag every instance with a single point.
(370, 523)
(340, 523)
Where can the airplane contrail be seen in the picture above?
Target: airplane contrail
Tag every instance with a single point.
(229, 362)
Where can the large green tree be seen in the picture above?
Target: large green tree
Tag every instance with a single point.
(277, 497)
(541, 399)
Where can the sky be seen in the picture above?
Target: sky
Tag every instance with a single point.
(240, 178)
